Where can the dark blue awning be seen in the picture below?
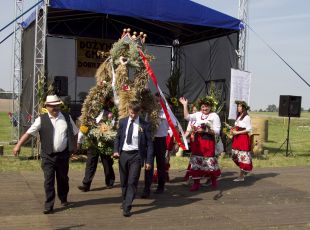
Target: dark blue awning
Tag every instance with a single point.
(162, 20)
(178, 11)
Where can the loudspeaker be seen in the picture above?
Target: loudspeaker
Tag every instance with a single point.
(289, 106)
(61, 85)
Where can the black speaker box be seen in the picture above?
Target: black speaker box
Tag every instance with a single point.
(61, 85)
(289, 106)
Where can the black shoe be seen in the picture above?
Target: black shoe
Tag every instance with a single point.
(48, 211)
(126, 213)
(159, 191)
(83, 188)
(145, 195)
(110, 184)
(65, 204)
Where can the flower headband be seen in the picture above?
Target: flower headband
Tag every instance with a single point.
(243, 104)
(207, 100)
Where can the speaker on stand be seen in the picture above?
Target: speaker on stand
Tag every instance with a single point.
(289, 106)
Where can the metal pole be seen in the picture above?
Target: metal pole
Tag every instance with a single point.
(288, 134)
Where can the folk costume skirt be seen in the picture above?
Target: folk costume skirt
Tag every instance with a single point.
(203, 162)
(241, 154)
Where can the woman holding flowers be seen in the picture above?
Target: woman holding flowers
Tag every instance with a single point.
(241, 144)
(205, 125)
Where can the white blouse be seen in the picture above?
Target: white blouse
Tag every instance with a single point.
(212, 119)
(244, 123)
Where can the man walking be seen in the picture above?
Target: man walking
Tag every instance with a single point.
(133, 145)
(58, 139)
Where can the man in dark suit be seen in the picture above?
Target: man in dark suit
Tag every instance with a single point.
(133, 145)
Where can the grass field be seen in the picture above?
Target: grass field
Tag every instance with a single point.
(299, 140)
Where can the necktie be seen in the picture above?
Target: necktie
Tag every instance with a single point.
(129, 133)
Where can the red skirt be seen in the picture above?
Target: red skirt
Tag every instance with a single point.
(203, 145)
(241, 142)
(203, 162)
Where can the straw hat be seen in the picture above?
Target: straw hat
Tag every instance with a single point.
(52, 100)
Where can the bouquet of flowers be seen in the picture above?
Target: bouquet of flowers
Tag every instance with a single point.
(227, 130)
(102, 134)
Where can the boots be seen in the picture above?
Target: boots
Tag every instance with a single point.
(213, 182)
(195, 186)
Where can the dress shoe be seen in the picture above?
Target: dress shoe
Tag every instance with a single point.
(145, 195)
(239, 179)
(83, 188)
(48, 211)
(126, 213)
(159, 191)
(65, 204)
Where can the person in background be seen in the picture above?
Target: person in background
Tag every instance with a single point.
(203, 162)
(93, 155)
(58, 140)
(133, 146)
(241, 144)
(160, 147)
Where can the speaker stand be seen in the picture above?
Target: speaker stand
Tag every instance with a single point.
(287, 140)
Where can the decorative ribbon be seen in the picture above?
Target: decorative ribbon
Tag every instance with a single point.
(169, 114)
(115, 96)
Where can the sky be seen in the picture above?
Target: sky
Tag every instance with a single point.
(283, 24)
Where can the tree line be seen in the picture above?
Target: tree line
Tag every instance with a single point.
(274, 108)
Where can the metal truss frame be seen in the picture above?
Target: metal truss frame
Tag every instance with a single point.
(39, 77)
(17, 72)
(243, 16)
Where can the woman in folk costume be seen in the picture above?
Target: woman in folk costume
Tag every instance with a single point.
(241, 144)
(206, 124)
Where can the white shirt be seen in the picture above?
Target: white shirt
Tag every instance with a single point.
(135, 136)
(244, 123)
(212, 119)
(59, 123)
(162, 130)
(80, 138)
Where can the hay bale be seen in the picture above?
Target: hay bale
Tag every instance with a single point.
(260, 127)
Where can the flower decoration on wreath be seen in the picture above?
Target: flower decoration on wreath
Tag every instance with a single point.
(243, 103)
(207, 100)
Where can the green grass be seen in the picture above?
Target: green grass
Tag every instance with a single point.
(299, 140)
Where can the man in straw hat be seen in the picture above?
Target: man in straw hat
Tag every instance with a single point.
(57, 134)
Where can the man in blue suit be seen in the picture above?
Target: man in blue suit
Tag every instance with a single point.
(133, 146)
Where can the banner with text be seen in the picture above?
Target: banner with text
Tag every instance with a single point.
(239, 90)
(90, 54)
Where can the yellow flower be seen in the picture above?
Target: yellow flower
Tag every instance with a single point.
(44, 110)
(84, 129)
(104, 128)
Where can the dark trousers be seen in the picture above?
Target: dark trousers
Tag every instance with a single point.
(159, 153)
(91, 167)
(129, 170)
(59, 165)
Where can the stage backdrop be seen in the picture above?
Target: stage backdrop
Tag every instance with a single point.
(65, 55)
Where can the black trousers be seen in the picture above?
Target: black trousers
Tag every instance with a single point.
(55, 164)
(160, 147)
(129, 170)
(91, 167)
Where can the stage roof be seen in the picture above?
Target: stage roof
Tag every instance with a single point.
(163, 20)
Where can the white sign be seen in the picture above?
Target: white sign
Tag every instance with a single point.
(239, 90)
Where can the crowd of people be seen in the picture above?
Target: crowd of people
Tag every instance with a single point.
(136, 147)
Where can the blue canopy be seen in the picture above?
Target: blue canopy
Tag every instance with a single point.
(162, 20)
(178, 11)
